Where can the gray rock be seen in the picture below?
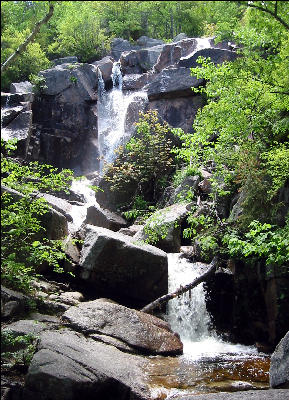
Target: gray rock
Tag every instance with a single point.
(143, 332)
(145, 41)
(179, 37)
(113, 264)
(105, 66)
(58, 204)
(218, 56)
(19, 128)
(26, 327)
(139, 61)
(14, 99)
(21, 87)
(279, 368)
(189, 184)
(65, 60)
(131, 230)
(166, 222)
(136, 81)
(171, 83)
(119, 45)
(69, 366)
(104, 218)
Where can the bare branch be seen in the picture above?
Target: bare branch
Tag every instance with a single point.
(273, 13)
(164, 299)
(29, 39)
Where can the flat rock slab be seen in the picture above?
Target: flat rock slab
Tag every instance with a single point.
(143, 332)
(69, 366)
(272, 394)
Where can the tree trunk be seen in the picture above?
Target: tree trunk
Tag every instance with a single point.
(164, 299)
(29, 39)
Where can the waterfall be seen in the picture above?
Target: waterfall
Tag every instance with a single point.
(188, 315)
(114, 127)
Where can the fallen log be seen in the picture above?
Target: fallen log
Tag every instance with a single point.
(165, 298)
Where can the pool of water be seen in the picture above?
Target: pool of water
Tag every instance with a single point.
(208, 367)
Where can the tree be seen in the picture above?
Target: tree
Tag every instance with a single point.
(24, 246)
(29, 39)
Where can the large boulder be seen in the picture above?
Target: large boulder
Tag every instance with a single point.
(116, 267)
(13, 303)
(172, 83)
(65, 60)
(69, 366)
(65, 116)
(143, 332)
(139, 61)
(217, 56)
(279, 368)
(136, 81)
(164, 227)
(105, 66)
(119, 45)
(104, 218)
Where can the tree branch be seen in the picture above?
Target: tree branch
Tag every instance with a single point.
(29, 39)
(165, 298)
(273, 13)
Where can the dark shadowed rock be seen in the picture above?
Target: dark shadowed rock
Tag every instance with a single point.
(104, 218)
(279, 369)
(115, 266)
(171, 83)
(218, 56)
(179, 112)
(58, 204)
(65, 115)
(69, 366)
(143, 332)
(13, 303)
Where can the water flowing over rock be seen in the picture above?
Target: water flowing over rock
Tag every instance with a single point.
(104, 218)
(144, 333)
(117, 267)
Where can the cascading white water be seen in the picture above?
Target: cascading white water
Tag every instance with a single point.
(112, 113)
(201, 43)
(188, 314)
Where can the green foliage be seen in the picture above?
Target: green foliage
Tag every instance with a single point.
(19, 349)
(140, 210)
(156, 228)
(24, 246)
(146, 161)
(265, 241)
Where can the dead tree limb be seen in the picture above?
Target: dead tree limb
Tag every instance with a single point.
(165, 298)
(29, 39)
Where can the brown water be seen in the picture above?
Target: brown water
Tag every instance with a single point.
(170, 377)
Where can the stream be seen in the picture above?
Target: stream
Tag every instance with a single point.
(208, 364)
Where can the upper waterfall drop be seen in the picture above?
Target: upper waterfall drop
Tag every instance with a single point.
(114, 126)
